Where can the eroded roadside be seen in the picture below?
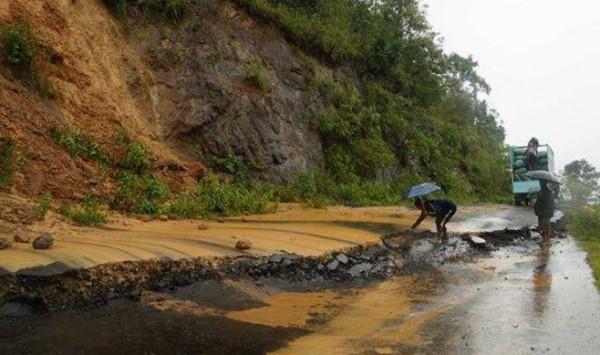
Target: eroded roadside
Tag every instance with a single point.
(408, 294)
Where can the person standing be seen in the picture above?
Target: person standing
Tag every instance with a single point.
(544, 210)
(442, 210)
(531, 154)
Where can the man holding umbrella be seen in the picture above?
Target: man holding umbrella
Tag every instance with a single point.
(442, 210)
(544, 206)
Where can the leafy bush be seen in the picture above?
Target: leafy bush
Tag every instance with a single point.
(225, 199)
(137, 159)
(21, 50)
(140, 194)
(6, 161)
(258, 76)
(20, 47)
(89, 214)
(78, 144)
(44, 205)
(585, 223)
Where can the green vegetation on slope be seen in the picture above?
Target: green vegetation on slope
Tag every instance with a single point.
(6, 161)
(585, 225)
(415, 111)
(22, 52)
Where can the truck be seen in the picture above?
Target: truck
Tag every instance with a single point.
(524, 189)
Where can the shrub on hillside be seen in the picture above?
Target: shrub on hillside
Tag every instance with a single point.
(226, 199)
(140, 194)
(78, 144)
(137, 159)
(21, 51)
(89, 214)
(258, 76)
(6, 161)
(44, 205)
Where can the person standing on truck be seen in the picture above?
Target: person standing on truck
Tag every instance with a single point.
(442, 210)
(531, 154)
(544, 210)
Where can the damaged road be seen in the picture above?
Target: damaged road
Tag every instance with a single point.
(407, 294)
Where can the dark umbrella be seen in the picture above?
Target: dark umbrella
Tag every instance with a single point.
(543, 175)
(420, 190)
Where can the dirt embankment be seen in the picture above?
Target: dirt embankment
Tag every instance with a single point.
(180, 90)
(398, 254)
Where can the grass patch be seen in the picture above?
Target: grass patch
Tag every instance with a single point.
(258, 76)
(585, 226)
(79, 145)
(6, 161)
(44, 205)
(89, 214)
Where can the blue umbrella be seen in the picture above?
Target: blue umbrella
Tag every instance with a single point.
(420, 190)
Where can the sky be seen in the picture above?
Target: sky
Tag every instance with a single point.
(542, 60)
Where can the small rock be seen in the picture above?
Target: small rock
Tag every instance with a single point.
(516, 325)
(44, 241)
(22, 237)
(243, 244)
(202, 227)
(342, 258)
(275, 258)
(221, 220)
(5, 243)
(163, 217)
(145, 218)
(333, 265)
(377, 269)
(478, 241)
(566, 277)
(358, 269)
(244, 220)
(287, 262)
(399, 262)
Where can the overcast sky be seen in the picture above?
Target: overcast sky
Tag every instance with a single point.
(542, 59)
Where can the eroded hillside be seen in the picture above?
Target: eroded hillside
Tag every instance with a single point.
(183, 91)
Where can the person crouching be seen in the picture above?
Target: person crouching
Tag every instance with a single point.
(442, 210)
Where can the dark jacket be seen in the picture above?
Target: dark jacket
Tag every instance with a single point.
(544, 206)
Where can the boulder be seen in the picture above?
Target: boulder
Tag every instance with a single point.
(5, 243)
(202, 227)
(275, 258)
(163, 217)
(22, 237)
(243, 244)
(44, 241)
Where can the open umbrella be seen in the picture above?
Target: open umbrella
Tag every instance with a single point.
(420, 190)
(543, 175)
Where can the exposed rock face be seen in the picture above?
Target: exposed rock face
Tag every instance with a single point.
(209, 108)
(44, 241)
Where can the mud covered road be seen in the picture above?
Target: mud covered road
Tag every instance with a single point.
(516, 300)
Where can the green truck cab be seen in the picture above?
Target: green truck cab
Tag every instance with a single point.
(525, 189)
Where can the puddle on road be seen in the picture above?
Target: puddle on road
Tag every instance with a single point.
(544, 304)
